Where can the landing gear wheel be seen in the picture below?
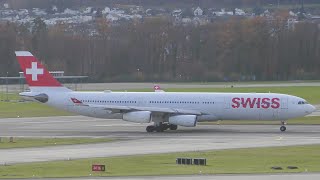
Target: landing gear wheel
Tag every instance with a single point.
(150, 128)
(173, 127)
(160, 128)
(283, 128)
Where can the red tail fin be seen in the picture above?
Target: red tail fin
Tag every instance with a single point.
(35, 73)
(37, 76)
(157, 88)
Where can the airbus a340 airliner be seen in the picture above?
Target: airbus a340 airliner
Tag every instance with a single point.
(167, 110)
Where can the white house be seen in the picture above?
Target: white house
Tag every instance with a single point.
(198, 12)
(88, 10)
(106, 10)
(6, 5)
(54, 8)
(176, 12)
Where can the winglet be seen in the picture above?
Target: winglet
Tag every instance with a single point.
(157, 88)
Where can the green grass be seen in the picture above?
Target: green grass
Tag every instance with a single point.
(249, 161)
(9, 96)
(309, 120)
(41, 142)
(28, 109)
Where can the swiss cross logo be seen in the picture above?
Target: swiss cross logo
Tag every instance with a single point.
(76, 101)
(156, 87)
(34, 71)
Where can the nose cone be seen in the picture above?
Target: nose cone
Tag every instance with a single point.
(310, 109)
(313, 108)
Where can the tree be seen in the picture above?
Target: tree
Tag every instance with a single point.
(39, 36)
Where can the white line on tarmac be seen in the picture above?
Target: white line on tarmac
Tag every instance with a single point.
(111, 125)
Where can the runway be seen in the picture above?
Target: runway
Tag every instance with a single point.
(130, 86)
(134, 139)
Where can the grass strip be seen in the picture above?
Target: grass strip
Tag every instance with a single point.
(235, 161)
(28, 109)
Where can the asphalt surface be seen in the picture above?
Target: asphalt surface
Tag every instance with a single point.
(136, 141)
(128, 86)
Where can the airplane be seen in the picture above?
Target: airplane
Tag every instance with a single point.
(166, 110)
(157, 88)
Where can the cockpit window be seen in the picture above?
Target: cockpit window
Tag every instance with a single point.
(303, 102)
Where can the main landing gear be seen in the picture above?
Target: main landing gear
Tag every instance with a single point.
(283, 127)
(160, 127)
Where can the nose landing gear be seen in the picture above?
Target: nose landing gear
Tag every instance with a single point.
(283, 127)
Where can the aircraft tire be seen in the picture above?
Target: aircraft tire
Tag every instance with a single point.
(150, 129)
(160, 128)
(173, 127)
(283, 128)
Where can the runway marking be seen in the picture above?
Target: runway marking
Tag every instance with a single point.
(111, 125)
(67, 121)
(46, 122)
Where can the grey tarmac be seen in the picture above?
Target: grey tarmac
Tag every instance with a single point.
(136, 141)
(130, 86)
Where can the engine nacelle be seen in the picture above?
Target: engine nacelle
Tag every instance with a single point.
(183, 120)
(137, 116)
(207, 118)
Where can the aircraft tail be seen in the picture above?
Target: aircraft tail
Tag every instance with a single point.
(37, 76)
(157, 88)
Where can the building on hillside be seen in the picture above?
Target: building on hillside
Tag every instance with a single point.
(198, 12)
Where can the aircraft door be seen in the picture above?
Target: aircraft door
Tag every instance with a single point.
(284, 103)
(282, 112)
(141, 101)
(227, 102)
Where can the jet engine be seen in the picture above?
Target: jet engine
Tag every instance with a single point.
(183, 120)
(43, 98)
(137, 116)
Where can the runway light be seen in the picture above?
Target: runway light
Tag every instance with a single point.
(11, 140)
(292, 167)
(276, 168)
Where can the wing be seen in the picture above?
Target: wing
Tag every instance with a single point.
(117, 109)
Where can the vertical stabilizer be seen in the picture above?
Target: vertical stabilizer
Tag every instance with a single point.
(37, 76)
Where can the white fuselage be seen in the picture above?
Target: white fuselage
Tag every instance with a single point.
(214, 106)
(166, 110)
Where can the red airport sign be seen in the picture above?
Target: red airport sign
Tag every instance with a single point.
(98, 167)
